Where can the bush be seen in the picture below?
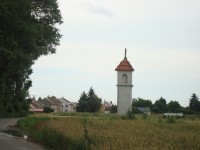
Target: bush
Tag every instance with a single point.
(48, 110)
(113, 109)
(171, 119)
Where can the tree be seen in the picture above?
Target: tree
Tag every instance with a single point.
(174, 107)
(94, 101)
(83, 104)
(27, 31)
(89, 102)
(160, 106)
(142, 103)
(113, 109)
(194, 103)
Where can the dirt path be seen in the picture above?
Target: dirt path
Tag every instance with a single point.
(9, 142)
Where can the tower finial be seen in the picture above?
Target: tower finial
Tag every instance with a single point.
(125, 54)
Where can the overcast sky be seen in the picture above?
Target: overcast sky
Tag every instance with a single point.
(162, 38)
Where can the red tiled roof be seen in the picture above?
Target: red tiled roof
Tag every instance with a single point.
(124, 66)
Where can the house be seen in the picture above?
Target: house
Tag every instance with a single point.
(107, 106)
(72, 107)
(59, 107)
(35, 107)
(65, 104)
(51, 102)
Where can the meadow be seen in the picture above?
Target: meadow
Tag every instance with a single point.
(111, 132)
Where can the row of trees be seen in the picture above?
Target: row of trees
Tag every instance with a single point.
(90, 102)
(28, 29)
(161, 105)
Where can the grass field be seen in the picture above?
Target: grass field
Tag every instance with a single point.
(111, 132)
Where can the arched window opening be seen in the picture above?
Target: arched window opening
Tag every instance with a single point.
(124, 79)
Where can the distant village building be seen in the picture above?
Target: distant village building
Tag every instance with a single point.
(107, 106)
(65, 104)
(72, 107)
(58, 105)
(124, 86)
(53, 103)
(35, 107)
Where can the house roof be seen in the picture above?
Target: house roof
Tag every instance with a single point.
(53, 100)
(36, 104)
(124, 65)
(63, 100)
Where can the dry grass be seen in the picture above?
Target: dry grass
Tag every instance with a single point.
(138, 134)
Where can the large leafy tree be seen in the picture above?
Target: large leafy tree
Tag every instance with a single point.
(194, 103)
(174, 107)
(27, 31)
(89, 102)
(142, 103)
(160, 106)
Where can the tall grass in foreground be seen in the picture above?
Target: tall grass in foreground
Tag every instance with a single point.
(101, 133)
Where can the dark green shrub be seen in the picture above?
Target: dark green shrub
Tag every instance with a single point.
(47, 110)
(113, 109)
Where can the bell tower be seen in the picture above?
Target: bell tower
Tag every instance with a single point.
(124, 86)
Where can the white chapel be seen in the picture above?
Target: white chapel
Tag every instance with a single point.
(124, 86)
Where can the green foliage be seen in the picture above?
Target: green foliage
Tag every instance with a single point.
(48, 110)
(174, 107)
(116, 134)
(88, 132)
(130, 115)
(136, 111)
(171, 119)
(188, 111)
(83, 104)
(53, 139)
(27, 122)
(144, 116)
(87, 140)
(89, 102)
(113, 109)
(194, 103)
(160, 106)
(141, 103)
(27, 31)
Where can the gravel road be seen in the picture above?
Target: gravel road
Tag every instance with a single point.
(9, 142)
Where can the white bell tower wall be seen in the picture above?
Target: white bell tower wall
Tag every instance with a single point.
(124, 91)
